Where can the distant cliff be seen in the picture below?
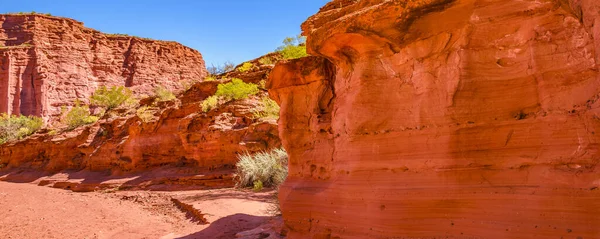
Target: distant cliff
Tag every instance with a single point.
(47, 62)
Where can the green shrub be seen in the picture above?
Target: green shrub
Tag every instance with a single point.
(163, 94)
(236, 89)
(245, 67)
(269, 168)
(293, 48)
(210, 103)
(78, 116)
(14, 127)
(112, 98)
(267, 109)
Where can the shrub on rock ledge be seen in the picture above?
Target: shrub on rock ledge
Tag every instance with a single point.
(236, 90)
(14, 127)
(78, 116)
(111, 98)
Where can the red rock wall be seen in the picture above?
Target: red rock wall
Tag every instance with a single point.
(48, 62)
(444, 119)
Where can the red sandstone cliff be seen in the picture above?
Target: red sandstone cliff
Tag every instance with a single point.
(47, 62)
(444, 119)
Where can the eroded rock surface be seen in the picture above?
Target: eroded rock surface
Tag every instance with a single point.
(47, 62)
(443, 119)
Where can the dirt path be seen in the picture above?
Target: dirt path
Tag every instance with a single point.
(31, 211)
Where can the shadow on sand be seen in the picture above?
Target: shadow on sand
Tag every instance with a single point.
(227, 227)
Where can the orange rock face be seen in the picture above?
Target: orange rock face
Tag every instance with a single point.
(47, 62)
(444, 119)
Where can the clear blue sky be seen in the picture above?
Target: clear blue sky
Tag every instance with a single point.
(222, 30)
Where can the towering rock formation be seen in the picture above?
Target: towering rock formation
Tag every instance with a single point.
(47, 62)
(444, 119)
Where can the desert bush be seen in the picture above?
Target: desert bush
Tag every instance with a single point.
(78, 116)
(268, 168)
(245, 67)
(163, 94)
(113, 97)
(220, 69)
(236, 90)
(293, 48)
(210, 103)
(267, 109)
(14, 127)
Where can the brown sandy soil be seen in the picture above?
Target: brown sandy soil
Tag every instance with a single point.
(30, 211)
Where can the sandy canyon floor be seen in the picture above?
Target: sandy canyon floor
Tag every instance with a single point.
(31, 211)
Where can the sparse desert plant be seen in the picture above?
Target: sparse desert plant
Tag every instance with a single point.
(267, 109)
(78, 116)
(111, 98)
(210, 103)
(293, 47)
(270, 168)
(163, 94)
(14, 127)
(236, 90)
(245, 67)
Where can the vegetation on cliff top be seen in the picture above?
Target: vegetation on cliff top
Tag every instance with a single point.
(293, 48)
(14, 127)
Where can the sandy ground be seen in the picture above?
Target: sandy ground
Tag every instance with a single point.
(31, 211)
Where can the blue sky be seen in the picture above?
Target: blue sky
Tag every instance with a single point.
(222, 30)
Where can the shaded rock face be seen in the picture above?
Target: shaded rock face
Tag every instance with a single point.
(47, 62)
(180, 136)
(440, 118)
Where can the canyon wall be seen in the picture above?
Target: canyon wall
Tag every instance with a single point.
(47, 62)
(443, 119)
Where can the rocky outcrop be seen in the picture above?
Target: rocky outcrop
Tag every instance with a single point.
(47, 62)
(177, 143)
(443, 119)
